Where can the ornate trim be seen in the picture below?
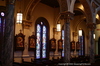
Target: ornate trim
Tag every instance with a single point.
(91, 26)
(67, 15)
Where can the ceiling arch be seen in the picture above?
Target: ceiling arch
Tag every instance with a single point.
(88, 10)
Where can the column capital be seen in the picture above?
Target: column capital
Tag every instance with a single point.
(67, 15)
(91, 26)
(12, 2)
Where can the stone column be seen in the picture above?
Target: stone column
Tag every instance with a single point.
(7, 47)
(91, 27)
(67, 16)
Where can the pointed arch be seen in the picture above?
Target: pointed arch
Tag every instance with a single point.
(30, 7)
(88, 10)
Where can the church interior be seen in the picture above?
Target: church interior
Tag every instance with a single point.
(49, 32)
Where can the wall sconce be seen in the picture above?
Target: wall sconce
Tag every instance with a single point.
(80, 32)
(19, 14)
(58, 26)
(19, 18)
(93, 36)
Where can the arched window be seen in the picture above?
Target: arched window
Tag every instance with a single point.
(42, 34)
(2, 22)
(2, 27)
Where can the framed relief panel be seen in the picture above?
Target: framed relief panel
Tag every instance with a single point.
(53, 44)
(32, 43)
(72, 45)
(19, 42)
(60, 44)
(78, 45)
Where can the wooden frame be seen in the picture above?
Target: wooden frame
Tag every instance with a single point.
(60, 44)
(78, 46)
(19, 42)
(72, 46)
(32, 43)
(53, 44)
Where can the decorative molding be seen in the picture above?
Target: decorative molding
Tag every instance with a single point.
(91, 26)
(67, 15)
(27, 24)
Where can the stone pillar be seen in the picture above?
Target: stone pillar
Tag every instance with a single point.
(91, 27)
(67, 16)
(7, 47)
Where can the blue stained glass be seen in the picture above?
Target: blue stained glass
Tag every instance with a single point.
(0, 24)
(38, 28)
(63, 43)
(3, 26)
(44, 54)
(41, 41)
(44, 42)
(38, 54)
(44, 29)
(38, 42)
(81, 45)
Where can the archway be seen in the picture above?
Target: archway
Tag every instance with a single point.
(42, 35)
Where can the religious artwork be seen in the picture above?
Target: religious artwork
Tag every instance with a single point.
(53, 43)
(60, 44)
(32, 42)
(19, 41)
(72, 45)
(78, 46)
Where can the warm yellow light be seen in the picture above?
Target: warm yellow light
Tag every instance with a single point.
(80, 32)
(97, 16)
(19, 18)
(58, 27)
(94, 36)
(81, 7)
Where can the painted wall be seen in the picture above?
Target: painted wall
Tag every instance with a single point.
(41, 10)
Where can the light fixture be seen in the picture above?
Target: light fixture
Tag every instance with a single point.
(93, 36)
(19, 15)
(80, 32)
(59, 26)
(19, 18)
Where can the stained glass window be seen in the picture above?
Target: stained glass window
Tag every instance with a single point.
(38, 41)
(0, 24)
(81, 51)
(3, 26)
(63, 43)
(44, 43)
(41, 42)
(81, 44)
